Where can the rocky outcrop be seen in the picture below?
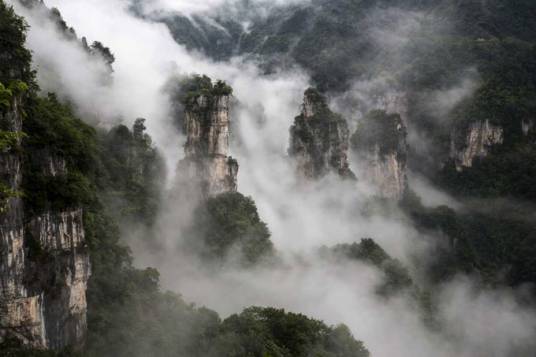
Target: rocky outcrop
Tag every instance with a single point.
(44, 263)
(207, 162)
(474, 141)
(61, 257)
(381, 149)
(319, 139)
(19, 313)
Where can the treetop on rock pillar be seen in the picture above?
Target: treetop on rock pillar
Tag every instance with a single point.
(196, 86)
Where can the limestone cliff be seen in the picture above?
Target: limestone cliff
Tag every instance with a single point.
(474, 141)
(381, 148)
(319, 139)
(44, 263)
(206, 124)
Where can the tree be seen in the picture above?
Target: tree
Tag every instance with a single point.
(229, 223)
(15, 59)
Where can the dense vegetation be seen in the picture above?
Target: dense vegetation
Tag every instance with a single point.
(274, 332)
(114, 177)
(54, 134)
(396, 276)
(396, 279)
(195, 86)
(228, 226)
(132, 173)
(495, 243)
(381, 130)
(15, 59)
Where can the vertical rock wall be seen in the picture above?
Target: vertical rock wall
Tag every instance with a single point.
(381, 148)
(474, 142)
(387, 172)
(44, 262)
(207, 145)
(21, 313)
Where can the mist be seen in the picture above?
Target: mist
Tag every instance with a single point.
(191, 7)
(301, 217)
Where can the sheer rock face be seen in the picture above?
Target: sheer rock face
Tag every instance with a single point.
(319, 140)
(381, 148)
(207, 145)
(474, 142)
(387, 172)
(44, 263)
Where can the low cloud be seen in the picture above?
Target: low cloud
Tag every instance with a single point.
(300, 217)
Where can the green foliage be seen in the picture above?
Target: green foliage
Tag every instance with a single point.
(6, 193)
(195, 86)
(5, 97)
(230, 224)
(10, 140)
(15, 60)
(128, 315)
(497, 244)
(506, 97)
(221, 88)
(502, 70)
(53, 126)
(15, 88)
(105, 52)
(396, 276)
(508, 171)
(260, 332)
(507, 93)
(14, 348)
(54, 133)
(131, 173)
(380, 129)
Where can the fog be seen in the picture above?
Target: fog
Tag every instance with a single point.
(301, 217)
(190, 7)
